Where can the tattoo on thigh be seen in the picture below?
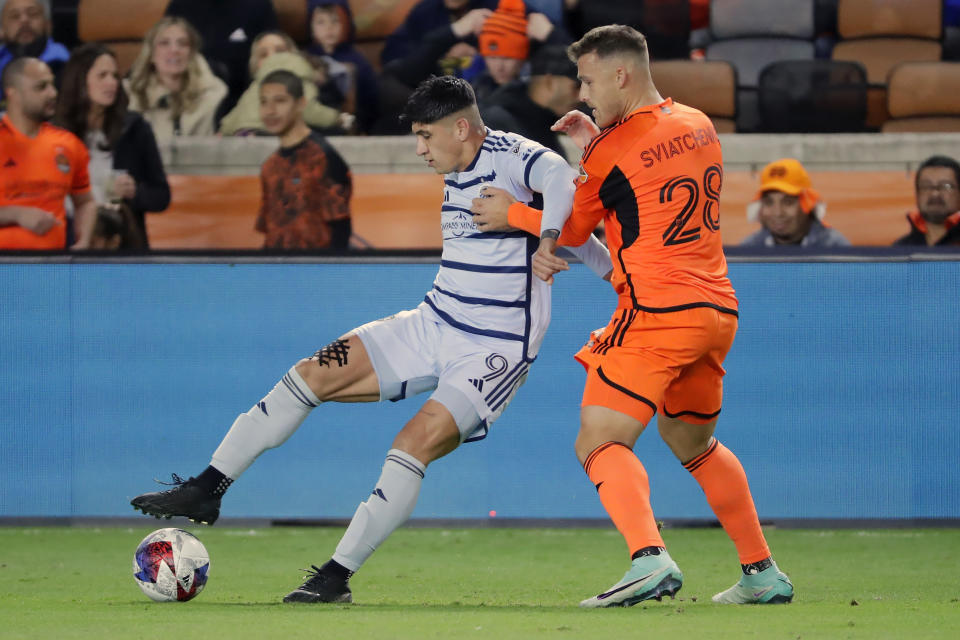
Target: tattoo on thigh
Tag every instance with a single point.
(336, 351)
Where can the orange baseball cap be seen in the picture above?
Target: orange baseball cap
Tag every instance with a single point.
(789, 176)
(786, 175)
(504, 34)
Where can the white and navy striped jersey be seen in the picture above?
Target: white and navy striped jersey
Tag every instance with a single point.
(485, 285)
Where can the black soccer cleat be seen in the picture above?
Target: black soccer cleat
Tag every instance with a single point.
(322, 585)
(187, 498)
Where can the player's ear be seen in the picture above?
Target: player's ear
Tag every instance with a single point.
(461, 129)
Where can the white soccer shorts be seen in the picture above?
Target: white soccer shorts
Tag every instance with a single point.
(474, 377)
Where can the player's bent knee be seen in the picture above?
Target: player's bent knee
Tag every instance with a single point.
(431, 434)
(333, 367)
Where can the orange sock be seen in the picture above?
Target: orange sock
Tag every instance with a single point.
(724, 482)
(624, 490)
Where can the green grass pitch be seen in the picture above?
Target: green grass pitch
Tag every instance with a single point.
(480, 583)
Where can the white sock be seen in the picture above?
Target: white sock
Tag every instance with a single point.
(388, 507)
(267, 425)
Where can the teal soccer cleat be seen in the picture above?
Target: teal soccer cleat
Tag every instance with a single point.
(649, 578)
(770, 586)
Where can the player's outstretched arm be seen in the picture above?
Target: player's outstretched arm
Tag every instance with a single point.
(490, 209)
(579, 126)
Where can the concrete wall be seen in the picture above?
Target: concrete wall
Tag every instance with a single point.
(853, 152)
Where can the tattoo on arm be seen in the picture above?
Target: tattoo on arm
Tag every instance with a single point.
(336, 351)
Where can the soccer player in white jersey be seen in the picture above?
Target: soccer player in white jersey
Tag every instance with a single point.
(470, 342)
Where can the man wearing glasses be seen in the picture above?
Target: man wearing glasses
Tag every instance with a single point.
(936, 221)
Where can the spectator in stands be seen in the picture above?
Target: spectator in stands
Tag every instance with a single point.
(531, 108)
(503, 46)
(306, 185)
(333, 32)
(437, 38)
(171, 83)
(41, 165)
(125, 165)
(227, 29)
(273, 50)
(790, 210)
(25, 31)
(457, 21)
(506, 40)
(936, 220)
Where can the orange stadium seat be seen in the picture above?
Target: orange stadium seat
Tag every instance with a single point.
(908, 18)
(292, 18)
(708, 85)
(120, 24)
(880, 34)
(922, 96)
(375, 20)
(879, 56)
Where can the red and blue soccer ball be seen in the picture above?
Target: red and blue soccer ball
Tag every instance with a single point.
(171, 565)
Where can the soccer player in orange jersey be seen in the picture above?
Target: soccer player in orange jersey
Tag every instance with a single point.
(652, 171)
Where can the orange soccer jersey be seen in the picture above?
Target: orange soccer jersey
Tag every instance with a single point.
(40, 172)
(654, 178)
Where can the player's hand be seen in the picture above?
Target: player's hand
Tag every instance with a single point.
(579, 126)
(36, 220)
(595, 336)
(546, 263)
(471, 22)
(490, 210)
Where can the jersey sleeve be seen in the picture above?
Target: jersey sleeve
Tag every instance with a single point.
(516, 162)
(588, 211)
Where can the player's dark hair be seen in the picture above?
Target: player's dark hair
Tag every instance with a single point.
(436, 98)
(609, 40)
(939, 161)
(290, 81)
(73, 104)
(14, 71)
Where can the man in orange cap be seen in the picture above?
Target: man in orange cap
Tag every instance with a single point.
(504, 45)
(790, 210)
(505, 42)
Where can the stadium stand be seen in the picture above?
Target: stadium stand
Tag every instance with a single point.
(708, 85)
(121, 26)
(750, 34)
(880, 34)
(666, 24)
(812, 96)
(375, 21)
(922, 96)
(292, 18)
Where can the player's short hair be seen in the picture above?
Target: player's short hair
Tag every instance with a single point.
(610, 40)
(938, 161)
(436, 98)
(290, 81)
(14, 71)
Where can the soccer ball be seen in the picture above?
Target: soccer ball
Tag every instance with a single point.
(171, 565)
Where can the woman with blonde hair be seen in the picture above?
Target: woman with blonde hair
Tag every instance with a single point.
(270, 51)
(171, 83)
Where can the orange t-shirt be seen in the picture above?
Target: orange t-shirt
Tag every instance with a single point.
(655, 178)
(40, 172)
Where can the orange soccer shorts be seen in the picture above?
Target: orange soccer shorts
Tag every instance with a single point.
(670, 362)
